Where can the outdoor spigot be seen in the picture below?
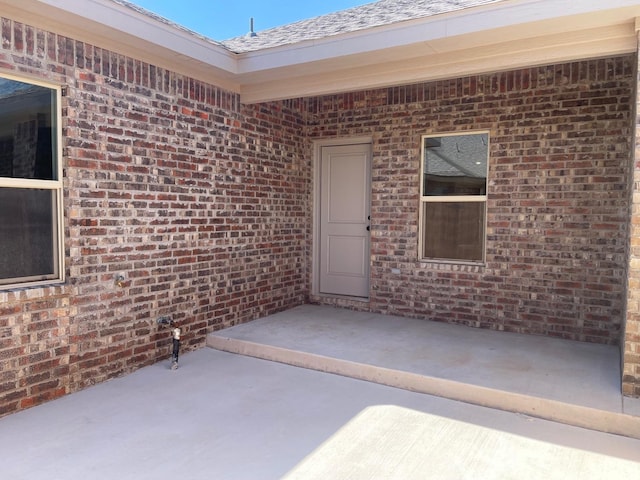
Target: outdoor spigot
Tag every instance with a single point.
(175, 333)
(175, 338)
(119, 280)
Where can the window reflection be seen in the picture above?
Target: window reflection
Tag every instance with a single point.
(27, 131)
(454, 189)
(455, 165)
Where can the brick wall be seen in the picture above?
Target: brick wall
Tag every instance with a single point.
(204, 206)
(631, 339)
(557, 196)
(198, 201)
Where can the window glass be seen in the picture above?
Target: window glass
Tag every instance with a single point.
(455, 165)
(453, 201)
(30, 214)
(454, 231)
(28, 231)
(27, 131)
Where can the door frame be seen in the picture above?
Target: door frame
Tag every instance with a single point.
(318, 145)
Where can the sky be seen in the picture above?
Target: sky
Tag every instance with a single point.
(224, 19)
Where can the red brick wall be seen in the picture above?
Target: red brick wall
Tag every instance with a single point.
(631, 340)
(558, 196)
(204, 206)
(198, 201)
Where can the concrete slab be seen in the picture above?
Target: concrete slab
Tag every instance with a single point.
(572, 382)
(399, 443)
(224, 416)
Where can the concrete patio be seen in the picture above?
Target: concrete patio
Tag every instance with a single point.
(226, 416)
(570, 382)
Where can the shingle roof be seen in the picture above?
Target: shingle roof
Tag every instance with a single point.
(383, 12)
(164, 20)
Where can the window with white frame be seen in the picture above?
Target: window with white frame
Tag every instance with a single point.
(454, 197)
(30, 183)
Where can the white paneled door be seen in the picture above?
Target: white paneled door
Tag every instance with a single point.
(344, 220)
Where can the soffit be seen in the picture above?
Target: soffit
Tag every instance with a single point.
(486, 38)
(489, 38)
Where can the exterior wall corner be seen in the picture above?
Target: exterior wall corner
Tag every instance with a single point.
(630, 342)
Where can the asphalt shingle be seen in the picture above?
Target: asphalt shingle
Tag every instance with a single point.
(383, 12)
(164, 20)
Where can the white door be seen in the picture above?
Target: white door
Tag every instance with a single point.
(344, 220)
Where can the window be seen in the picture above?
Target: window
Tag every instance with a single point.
(30, 184)
(454, 197)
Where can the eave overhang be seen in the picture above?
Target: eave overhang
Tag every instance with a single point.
(493, 37)
(490, 38)
(113, 26)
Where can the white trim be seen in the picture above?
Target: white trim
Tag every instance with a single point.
(453, 198)
(487, 38)
(30, 183)
(33, 80)
(56, 185)
(522, 18)
(465, 57)
(424, 199)
(121, 29)
(62, 270)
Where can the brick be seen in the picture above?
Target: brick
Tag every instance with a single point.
(568, 223)
(203, 204)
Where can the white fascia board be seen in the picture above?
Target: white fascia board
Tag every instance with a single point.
(464, 22)
(523, 53)
(130, 22)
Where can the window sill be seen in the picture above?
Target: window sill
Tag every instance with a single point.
(467, 263)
